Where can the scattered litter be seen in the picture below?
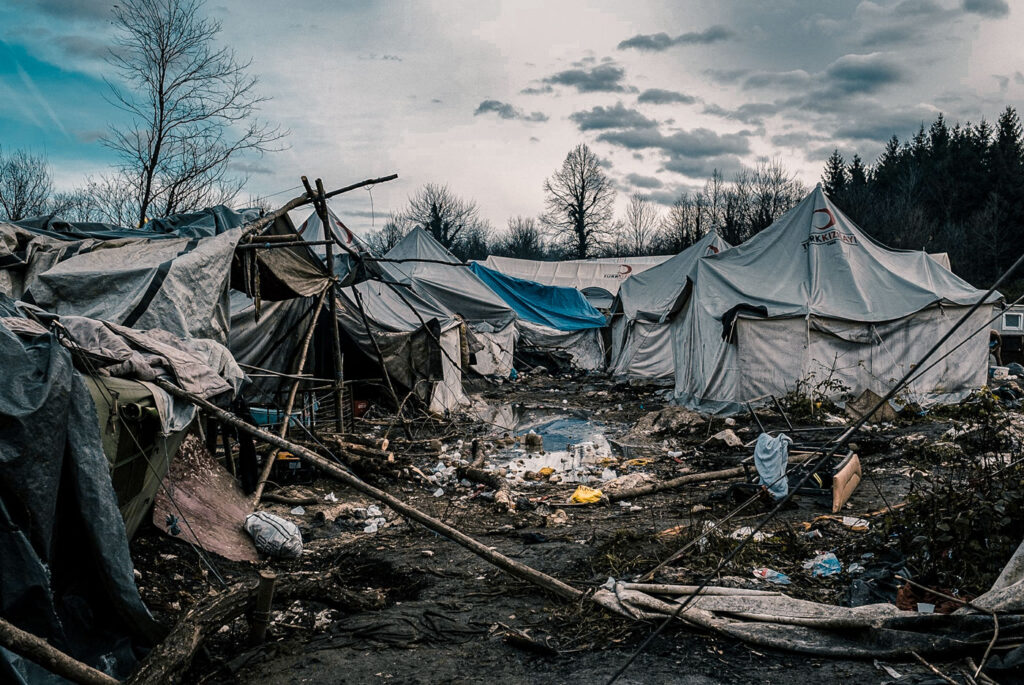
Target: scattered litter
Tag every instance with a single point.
(556, 518)
(728, 437)
(823, 565)
(855, 568)
(741, 533)
(274, 535)
(812, 534)
(772, 576)
(925, 608)
(585, 495)
(889, 670)
(330, 497)
(439, 492)
(675, 454)
(298, 511)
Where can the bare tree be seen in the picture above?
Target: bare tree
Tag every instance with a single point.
(191, 107)
(579, 203)
(522, 239)
(774, 191)
(437, 210)
(688, 220)
(25, 185)
(641, 224)
(385, 238)
(109, 198)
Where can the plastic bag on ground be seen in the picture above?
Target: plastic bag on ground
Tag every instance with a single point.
(274, 535)
(585, 495)
(823, 565)
(771, 456)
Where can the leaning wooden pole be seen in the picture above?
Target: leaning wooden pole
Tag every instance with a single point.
(296, 202)
(300, 364)
(347, 477)
(40, 651)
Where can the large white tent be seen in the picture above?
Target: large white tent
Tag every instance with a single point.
(598, 279)
(645, 310)
(813, 300)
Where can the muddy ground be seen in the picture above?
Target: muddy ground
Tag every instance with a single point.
(427, 610)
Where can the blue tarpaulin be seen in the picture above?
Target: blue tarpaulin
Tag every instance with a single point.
(564, 309)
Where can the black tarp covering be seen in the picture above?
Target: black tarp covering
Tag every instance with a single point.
(65, 570)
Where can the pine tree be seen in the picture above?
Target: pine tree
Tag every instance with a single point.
(834, 179)
(858, 174)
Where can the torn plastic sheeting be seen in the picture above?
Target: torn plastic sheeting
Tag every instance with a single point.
(585, 495)
(782, 622)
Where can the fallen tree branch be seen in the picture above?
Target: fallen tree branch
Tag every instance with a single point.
(689, 478)
(39, 651)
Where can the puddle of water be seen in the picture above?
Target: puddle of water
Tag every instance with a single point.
(574, 446)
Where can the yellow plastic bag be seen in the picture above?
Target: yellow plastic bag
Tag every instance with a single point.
(585, 495)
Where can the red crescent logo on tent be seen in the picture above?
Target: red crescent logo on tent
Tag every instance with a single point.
(711, 250)
(831, 219)
(625, 270)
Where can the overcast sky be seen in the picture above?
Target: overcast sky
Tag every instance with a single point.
(488, 97)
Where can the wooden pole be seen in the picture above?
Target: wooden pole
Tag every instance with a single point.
(261, 614)
(300, 363)
(296, 202)
(40, 651)
(320, 206)
(347, 477)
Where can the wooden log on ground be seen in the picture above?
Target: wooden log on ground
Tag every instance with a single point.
(328, 467)
(495, 481)
(365, 441)
(689, 478)
(39, 651)
(293, 501)
(168, 661)
(363, 450)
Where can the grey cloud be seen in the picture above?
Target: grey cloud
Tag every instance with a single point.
(618, 116)
(251, 167)
(909, 8)
(641, 181)
(726, 75)
(1018, 77)
(658, 96)
(1004, 81)
(89, 136)
(700, 142)
(987, 8)
(795, 139)
(887, 36)
(797, 78)
(863, 73)
(85, 46)
(604, 78)
(541, 90)
(666, 197)
(382, 58)
(749, 113)
(74, 9)
(702, 168)
(507, 111)
(880, 127)
(657, 42)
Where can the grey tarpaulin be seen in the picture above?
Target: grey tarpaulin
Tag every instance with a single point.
(460, 291)
(641, 328)
(411, 355)
(66, 573)
(269, 342)
(833, 304)
(774, 620)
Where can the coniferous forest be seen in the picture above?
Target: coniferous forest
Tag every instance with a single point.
(957, 189)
